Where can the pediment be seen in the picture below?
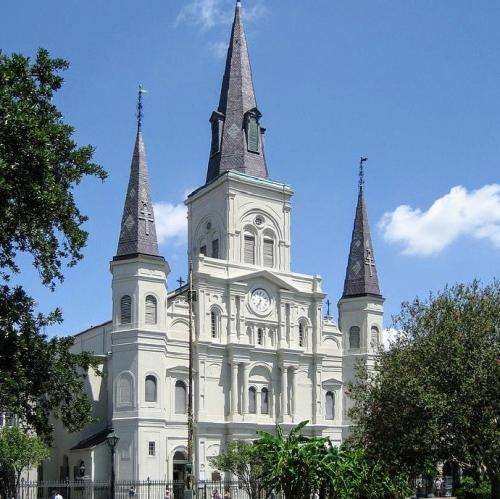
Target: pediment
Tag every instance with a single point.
(268, 275)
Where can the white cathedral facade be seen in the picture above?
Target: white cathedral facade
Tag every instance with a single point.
(263, 351)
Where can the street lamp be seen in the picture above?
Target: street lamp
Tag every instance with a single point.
(112, 440)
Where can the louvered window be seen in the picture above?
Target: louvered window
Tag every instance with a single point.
(268, 252)
(264, 401)
(249, 249)
(215, 145)
(301, 334)
(354, 337)
(215, 248)
(180, 397)
(126, 310)
(214, 323)
(329, 406)
(260, 336)
(252, 403)
(151, 310)
(150, 389)
(252, 133)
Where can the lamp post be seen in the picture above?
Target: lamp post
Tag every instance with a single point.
(112, 440)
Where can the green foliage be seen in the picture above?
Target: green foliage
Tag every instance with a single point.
(472, 489)
(18, 451)
(299, 465)
(242, 460)
(435, 395)
(40, 164)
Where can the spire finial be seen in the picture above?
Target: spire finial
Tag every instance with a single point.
(361, 172)
(140, 114)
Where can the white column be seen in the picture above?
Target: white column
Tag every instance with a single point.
(244, 399)
(294, 391)
(234, 388)
(284, 403)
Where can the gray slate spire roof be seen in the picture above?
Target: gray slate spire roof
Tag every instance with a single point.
(361, 274)
(138, 232)
(230, 148)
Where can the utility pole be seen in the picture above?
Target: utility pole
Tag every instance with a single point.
(190, 480)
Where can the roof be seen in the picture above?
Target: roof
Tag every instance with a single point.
(93, 440)
(138, 232)
(361, 274)
(236, 103)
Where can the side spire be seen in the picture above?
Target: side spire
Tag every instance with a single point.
(237, 137)
(361, 275)
(138, 232)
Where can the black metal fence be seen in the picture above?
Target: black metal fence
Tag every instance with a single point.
(144, 489)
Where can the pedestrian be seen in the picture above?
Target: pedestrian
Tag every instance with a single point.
(168, 494)
(227, 494)
(131, 492)
(315, 495)
(216, 495)
(58, 495)
(438, 486)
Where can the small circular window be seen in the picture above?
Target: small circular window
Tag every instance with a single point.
(259, 220)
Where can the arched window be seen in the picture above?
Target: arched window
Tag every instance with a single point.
(302, 334)
(126, 310)
(354, 337)
(329, 406)
(260, 336)
(249, 249)
(264, 401)
(150, 389)
(214, 324)
(180, 397)
(215, 248)
(374, 337)
(252, 402)
(125, 390)
(268, 252)
(151, 310)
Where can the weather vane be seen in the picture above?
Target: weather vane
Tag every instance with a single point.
(362, 172)
(140, 114)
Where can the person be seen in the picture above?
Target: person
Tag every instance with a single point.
(216, 495)
(58, 495)
(131, 492)
(315, 494)
(227, 494)
(168, 494)
(438, 486)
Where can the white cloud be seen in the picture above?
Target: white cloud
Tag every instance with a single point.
(206, 14)
(458, 213)
(388, 336)
(171, 222)
(218, 49)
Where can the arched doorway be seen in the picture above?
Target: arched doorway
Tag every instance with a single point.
(179, 466)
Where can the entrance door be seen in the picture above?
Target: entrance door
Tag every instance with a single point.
(179, 473)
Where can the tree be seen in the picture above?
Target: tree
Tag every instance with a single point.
(18, 451)
(242, 460)
(298, 466)
(40, 164)
(435, 395)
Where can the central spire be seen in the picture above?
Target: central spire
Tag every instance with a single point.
(237, 137)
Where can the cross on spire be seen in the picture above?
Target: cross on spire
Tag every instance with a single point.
(140, 113)
(362, 172)
(328, 303)
(180, 281)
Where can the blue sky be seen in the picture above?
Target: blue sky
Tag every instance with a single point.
(413, 85)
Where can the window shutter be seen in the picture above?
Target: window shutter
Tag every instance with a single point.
(151, 310)
(329, 406)
(252, 406)
(249, 250)
(252, 134)
(260, 336)
(264, 403)
(126, 310)
(268, 252)
(301, 334)
(215, 248)
(213, 323)
(354, 337)
(180, 397)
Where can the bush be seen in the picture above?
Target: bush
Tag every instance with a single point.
(472, 489)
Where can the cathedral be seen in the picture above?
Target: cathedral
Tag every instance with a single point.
(263, 352)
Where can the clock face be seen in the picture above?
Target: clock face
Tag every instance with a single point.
(260, 300)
